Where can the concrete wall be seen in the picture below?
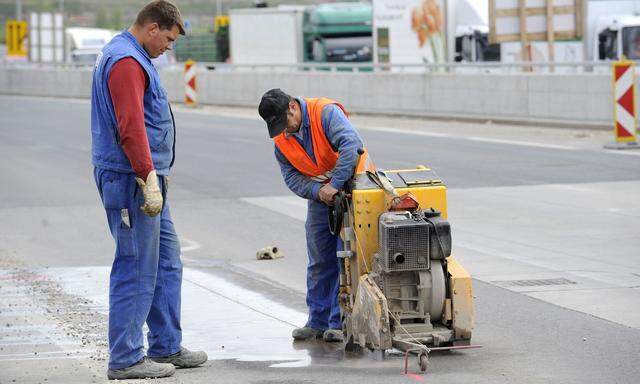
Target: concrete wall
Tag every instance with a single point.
(580, 99)
(46, 82)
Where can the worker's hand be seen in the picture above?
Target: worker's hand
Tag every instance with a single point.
(152, 195)
(326, 194)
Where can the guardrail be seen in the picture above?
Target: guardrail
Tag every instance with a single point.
(461, 67)
(4, 64)
(487, 67)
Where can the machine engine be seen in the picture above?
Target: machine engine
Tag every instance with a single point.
(400, 286)
(408, 267)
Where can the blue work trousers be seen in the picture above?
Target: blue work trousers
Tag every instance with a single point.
(146, 275)
(323, 271)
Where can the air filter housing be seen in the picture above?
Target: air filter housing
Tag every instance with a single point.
(404, 242)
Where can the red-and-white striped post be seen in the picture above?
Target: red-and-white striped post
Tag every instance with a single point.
(190, 93)
(624, 105)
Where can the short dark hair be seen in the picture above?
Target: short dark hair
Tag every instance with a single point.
(162, 12)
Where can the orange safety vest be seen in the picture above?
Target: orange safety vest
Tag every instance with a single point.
(326, 157)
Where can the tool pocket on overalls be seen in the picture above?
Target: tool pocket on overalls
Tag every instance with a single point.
(124, 239)
(116, 199)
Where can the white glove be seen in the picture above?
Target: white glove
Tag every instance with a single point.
(152, 194)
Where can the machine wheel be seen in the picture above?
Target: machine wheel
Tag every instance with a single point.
(423, 361)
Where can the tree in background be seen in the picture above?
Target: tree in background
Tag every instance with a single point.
(116, 19)
(101, 18)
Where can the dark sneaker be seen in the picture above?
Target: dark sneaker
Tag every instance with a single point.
(333, 336)
(306, 333)
(143, 369)
(184, 359)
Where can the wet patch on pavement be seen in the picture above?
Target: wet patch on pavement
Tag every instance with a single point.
(227, 320)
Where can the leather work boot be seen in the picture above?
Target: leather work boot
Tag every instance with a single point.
(183, 359)
(333, 336)
(143, 369)
(306, 333)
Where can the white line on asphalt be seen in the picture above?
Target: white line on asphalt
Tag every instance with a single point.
(407, 132)
(470, 138)
(84, 356)
(516, 142)
(49, 98)
(40, 342)
(188, 245)
(218, 113)
(291, 206)
(214, 312)
(623, 152)
(43, 354)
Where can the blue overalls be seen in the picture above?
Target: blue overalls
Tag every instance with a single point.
(146, 274)
(323, 269)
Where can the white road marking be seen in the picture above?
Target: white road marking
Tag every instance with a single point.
(44, 354)
(517, 142)
(224, 319)
(39, 342)
(630, 152)
(292, 206)
(489, 255)
(82, 356)
(407, 131)
(469, 138)
(188, 245)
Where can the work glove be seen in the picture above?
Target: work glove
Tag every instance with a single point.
(152, 194)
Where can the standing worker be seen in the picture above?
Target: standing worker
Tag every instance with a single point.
(317, 149)
(133, 139)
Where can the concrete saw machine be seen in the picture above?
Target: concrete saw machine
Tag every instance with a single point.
(400, 287)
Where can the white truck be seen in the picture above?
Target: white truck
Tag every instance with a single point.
(266, 35)
(83, 44)
(611, 31)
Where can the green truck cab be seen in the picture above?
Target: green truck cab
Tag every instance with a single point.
(338, 32)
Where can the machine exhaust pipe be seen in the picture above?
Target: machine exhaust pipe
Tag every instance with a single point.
(398, 258)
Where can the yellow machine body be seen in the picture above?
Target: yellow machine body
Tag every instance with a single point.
(460, 306)
(368, 317)
(369, 204)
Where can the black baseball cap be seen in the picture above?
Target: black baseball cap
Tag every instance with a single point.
(273, 109)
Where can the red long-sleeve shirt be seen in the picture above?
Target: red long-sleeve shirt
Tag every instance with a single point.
(127, 83)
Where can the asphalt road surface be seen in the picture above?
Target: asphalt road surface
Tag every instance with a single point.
(546, 221)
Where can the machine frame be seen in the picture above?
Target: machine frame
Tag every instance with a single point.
(368, 321)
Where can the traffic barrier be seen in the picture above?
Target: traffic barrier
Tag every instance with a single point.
(624, 105)
(516, 98)
(190, 92)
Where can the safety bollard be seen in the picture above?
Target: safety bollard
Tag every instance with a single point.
(624, 105)
(190, 93)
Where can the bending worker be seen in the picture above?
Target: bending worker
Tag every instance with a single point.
(133, 137)
(317, 149)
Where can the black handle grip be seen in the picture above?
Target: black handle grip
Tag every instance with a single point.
(336, 212)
